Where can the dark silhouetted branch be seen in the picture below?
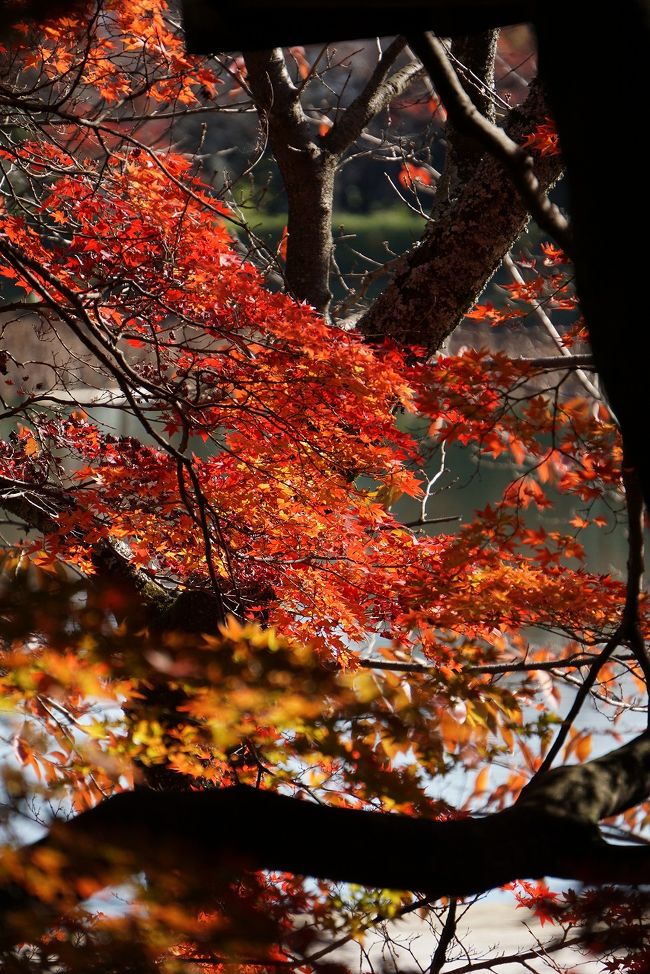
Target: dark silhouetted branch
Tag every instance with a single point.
(210, 837)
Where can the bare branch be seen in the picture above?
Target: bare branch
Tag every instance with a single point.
(536, 953)
(374, 98)
(580, 698)
(629, 629)
(447, 935)
(553, 362)
(308, 173)
(545, 320)
(573, 662)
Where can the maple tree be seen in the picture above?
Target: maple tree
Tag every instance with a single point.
(244, 682)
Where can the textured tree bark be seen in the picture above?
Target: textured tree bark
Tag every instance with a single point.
(444, 274)
(308, 163)
(308, 173)
(309, 181)
(212, 836)
(476, 53)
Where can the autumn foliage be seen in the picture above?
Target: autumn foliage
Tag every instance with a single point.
(335, 650)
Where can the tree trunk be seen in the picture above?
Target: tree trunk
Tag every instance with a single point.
(600, 125)
(308, 173)
(309, 181)
(442, 277)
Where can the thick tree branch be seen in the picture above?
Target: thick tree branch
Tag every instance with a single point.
(447, 935)
(553, 362)
(377, 95)
(308, 173)
(442, 276)
(466, 118)
(275, 94)
(606, 786)
(475, 56)
(209, 837)
(38, 507)
(308, 165)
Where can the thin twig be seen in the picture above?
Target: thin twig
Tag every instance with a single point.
(580, 698)
(378, 93)
(447, 934)
(545, 320)
(366, 925)
(421, 522)
(537, 953)
(629, 629)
